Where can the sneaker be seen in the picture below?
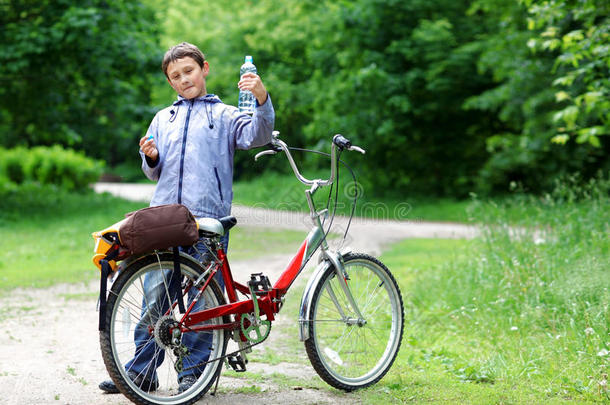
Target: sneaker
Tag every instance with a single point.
(186, 382)
(145, 384)
(109, 387)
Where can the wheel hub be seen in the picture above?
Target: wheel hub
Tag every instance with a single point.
(167, 332)
(355, 321)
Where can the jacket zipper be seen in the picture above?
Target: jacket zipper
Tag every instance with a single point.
(184, 136)
(218, 183)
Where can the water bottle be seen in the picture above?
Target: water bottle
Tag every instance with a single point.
(246, 102)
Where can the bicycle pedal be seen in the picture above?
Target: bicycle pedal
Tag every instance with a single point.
(237, 363)
(259, 283)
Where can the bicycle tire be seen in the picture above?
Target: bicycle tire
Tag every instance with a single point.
(125, 314)
(346, 355)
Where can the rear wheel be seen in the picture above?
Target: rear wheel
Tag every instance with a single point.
(346, 351)
(145, 352)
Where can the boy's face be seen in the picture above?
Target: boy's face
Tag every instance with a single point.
(187, 77)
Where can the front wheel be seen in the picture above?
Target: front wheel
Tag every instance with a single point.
(349, 352)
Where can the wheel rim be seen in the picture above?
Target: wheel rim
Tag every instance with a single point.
(125, 317)
(352, 354)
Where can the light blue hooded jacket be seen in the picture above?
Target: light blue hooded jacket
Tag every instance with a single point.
(196, 140)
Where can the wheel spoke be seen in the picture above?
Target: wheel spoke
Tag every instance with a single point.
(141, 321)
(348, 354)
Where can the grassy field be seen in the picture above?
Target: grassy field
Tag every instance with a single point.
(276, 190)
(285, 192)
(45, 236)
(517, 316)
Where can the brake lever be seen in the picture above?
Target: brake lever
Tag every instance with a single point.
(265, 152)
(357, 149)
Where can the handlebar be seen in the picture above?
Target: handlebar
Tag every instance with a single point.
(342, 142)
(339, 141)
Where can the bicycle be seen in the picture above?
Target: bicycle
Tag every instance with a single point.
(350, 319)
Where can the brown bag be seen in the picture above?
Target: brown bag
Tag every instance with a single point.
(156, 228)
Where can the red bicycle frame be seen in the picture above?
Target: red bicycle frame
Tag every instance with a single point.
(269, 303)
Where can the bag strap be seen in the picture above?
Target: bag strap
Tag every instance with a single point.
(177, 280)
(105, 272)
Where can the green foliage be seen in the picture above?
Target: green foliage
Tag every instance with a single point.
(76, 74)
(551, 63)
(578, 38)
(391, 75)
(447, 97)
(66, 169)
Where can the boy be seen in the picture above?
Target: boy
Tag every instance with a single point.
(188, 149)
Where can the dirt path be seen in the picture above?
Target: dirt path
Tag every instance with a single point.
(49, 348)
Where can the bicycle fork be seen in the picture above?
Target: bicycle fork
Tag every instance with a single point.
(334, 259)
(337, 261)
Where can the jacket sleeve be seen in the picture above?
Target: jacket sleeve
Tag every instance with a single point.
(150, 169)
(254, 131)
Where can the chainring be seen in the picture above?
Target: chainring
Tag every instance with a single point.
(249, 325)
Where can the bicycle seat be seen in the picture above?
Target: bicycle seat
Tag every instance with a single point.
(228, 222)
(216, 227)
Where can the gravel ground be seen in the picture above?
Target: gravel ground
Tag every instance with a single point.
(49, 346)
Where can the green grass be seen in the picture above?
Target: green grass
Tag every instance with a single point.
(512, 317)
(45, 236)
(250, 242)
(285, 192)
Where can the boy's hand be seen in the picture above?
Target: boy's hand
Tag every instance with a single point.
(252, 82)
(147, 145)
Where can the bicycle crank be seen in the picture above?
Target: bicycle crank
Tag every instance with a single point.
(252, 322)
(255, 329)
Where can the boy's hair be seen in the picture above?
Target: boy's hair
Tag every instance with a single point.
(182, 51)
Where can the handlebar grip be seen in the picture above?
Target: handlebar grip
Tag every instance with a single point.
(342, 142)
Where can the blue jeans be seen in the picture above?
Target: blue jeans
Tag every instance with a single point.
(148, 355)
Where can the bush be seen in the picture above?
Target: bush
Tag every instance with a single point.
(11, 166)
(54, 165)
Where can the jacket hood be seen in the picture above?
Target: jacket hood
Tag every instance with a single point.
(207, 100)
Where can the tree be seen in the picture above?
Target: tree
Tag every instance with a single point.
(392, 75)
(578, 34)
(399, 74)
(76, 74)
(551, 88)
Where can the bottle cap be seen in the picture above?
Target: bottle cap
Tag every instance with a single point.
(248, 58)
